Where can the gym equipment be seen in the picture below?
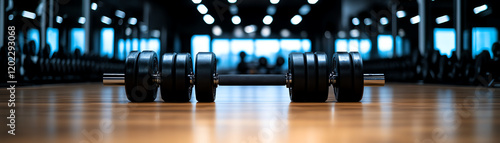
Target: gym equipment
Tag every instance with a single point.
(308, 77)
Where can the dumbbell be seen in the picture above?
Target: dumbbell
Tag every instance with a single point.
(308, 77)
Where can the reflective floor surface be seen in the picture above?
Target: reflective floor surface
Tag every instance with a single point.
(395, 113)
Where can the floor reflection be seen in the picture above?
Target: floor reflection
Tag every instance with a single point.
(394, 113)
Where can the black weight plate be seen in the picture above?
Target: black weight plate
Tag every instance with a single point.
(323, 77)
(298, 70)
(357, 76)
(310, 60)
(205, 69)
(183, 68)
(168, 77)
(342, 67)
(147, 65)
(130, 73)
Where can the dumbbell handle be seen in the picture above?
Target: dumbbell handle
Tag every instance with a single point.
(252, 79)
(246, 79)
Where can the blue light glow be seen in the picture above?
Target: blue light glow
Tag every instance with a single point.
(121, 49)
(221, 49)
(78, 40)
(107, 42)
(444, 40)
(365, 46)
(482, 39)
(34, 35)
(53, 39)
(341, 45)
(267, 48)
(385, 46)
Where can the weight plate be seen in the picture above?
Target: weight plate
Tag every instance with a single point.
(323, 80)
(296, 67)
(357, 77)
(147, 65)
(206, 67)
(342, 67)
(310, 60)
(130, 72)
(168, 77)
(183, 68)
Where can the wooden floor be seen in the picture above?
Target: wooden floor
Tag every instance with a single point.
(394, 113)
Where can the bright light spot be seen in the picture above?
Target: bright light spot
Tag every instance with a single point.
(415, 19)
(304, 9)
(353, 45)
(208, 19)
(107, 41)
(266, 31)
(296, 19)
(94, 6)
(231, 1)
(444, 40)
(216, 30)
(250, 28)
(132, 21)
(120, 14)
(81, 20)
(196, 1)
(306, 45)
(480, 9)
(266, 47)
(236, 20)
(59, 19)
(354, 33)
(271, 10)
(341, 45)
(385, 47)
(400, 14)
(29, 15)
(238, 31)
(328, 34)
(384, 21)
(365, 46)
(442, 19)
(202, 9)
(11, 16)
(285, 33)
(275, 1)
(367, 21)
(106, 20)
(267, 19)
(355, 21)
(312, 1)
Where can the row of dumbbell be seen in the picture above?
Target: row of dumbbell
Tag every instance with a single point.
(308, 77)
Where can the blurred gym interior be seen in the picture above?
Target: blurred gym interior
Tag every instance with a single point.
(440, 60)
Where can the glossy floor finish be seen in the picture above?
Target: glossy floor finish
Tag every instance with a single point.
(394, 113)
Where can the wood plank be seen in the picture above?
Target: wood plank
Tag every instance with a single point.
(394, 113)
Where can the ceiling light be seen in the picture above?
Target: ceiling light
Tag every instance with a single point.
(275, 1)
(106, 20)
(384, 21)
(400, 14)
(442, 19)
(202, 9)
(267, 19)
(312, 1)
(304, 10)
(132, 21)
(415, 19)
(59, 19)
(296, 19)
(355, 21)
(120, 14)
(216, 30)
(208, 19)
(236, 20)
(196, 1)
(480, 9)
(94, 6)
(29, 15)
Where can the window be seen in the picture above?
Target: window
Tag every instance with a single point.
(341, 45)
(34, 35)
(78, 40)
(482, 39)
(107, 42)
(154, 45)
(53, 39)
(444, 40)
(385, 47)
(365, 46)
